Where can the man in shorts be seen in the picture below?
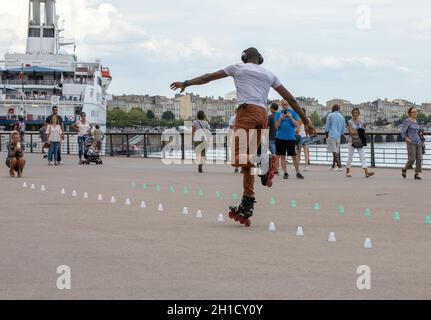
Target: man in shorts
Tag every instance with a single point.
(335, 127)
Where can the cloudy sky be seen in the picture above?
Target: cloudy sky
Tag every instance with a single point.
(357, 50)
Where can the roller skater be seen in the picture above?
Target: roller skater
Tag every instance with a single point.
(252, 83)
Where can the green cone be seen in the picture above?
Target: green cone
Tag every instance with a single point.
(171, 189)
(200, 193)
(133, 185)
(185, 190)
(272, 201)
(158, 188)
(218, 195)
(293, 204)
(341, 210)
(367, 213)
(428, 220)
(234, 196)
(317, 206)
(144, 186)
(396, 216)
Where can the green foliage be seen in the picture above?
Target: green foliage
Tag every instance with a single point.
(317, 122)
(150, 115)
(168, 116)
(118, 118)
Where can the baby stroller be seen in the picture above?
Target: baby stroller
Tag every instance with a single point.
(91, 153)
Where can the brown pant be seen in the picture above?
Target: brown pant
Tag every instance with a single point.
(415, 155)
(248, 117)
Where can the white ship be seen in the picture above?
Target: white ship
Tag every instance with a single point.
(32, 82)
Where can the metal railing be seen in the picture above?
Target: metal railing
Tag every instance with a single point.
(383, 150)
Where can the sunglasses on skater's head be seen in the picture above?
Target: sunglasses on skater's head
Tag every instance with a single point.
(83, 114)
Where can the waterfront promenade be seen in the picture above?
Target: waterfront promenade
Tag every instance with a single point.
(127, 252)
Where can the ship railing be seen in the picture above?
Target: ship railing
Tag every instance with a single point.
(381, 151)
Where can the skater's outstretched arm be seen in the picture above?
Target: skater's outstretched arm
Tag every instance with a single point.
(282, 91)
(204, 79)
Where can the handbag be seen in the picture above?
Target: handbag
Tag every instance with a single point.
(357, 143)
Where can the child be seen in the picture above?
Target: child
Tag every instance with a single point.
(98, 136)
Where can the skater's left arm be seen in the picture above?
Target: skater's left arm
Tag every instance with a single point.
(204, 79)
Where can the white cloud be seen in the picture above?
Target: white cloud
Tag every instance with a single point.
(423, 25)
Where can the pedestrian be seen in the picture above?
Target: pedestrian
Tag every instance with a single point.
(15, 155)
(272, 132)
(200, 130)
(286, 122)
(98, 136)
(43, 139)
(304, 142)
(83, 127)
(357, 141)
(48, 120)
(335, 127)
(20, 127)
(54, 138)
(252, 83)
(410, 132)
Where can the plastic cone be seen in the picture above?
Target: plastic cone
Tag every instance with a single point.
(367, 213)
(32, 187)
(185, 190)
(85, 195)
(271, 226)
(341, 210)
(234, 196)
(272, 201)
(143, 205)
(144, 186)
(160, 208)
(220, 217)
(199, 214)
(396, 216)
(158, 187)
(171, 189)
(332, 237)
(428, 220)
(74, 193)
(317, 206)
(42, 188)
(133, 185)
(24, 185)
(300, 232)
(368, 244)
(185, 210)
(128, 202)
(200, 193)
(293, 204)
(113, 199)
(99, 197)
(218, 195)
(63, 191)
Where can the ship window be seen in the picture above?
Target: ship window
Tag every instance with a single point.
(48, 33)
(34, 33)
(99, 81)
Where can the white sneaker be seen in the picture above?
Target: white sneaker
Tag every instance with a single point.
(332, 168)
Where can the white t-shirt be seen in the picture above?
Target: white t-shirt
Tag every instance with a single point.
(252, 83)
(54, 133)
(83, 128)
(201, 129)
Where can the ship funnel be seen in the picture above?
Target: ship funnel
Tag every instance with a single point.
(49, 9)
(36, 12)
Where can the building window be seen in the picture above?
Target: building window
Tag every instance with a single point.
(48, 33)
(34, 33)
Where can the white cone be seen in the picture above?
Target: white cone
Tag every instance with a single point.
(143, 205)
(300, 232)
(74, 193)
(160, 208)
(32, 187)
(42, 188)
(332, 237)
(63, 191)
(24, 185)
(220, 218)
(271, 226)
(128, 203)
(113, 199)
(368, 244)
(185, 210)
(85, 195)
(99, 197)
(199, 214)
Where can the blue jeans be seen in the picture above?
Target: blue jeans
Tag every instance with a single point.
(53, 151)
(272, 146)
(81, 141)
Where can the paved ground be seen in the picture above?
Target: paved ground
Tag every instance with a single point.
(119, 252)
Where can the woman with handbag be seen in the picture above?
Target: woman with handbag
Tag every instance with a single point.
(200, 128)
(357, 141)
(410, 132)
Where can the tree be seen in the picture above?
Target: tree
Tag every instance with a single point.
(168, 116)
(317, 122)
(150, 114)
(136, 117)
(116, 118)
(422, 118)
(217, 122)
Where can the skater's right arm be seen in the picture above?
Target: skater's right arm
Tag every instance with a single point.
(204, 79)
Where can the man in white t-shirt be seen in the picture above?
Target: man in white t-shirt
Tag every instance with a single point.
(252, 83)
